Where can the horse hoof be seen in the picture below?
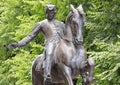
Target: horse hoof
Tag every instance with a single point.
(92, 80)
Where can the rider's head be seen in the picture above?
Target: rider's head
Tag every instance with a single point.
(50, 11)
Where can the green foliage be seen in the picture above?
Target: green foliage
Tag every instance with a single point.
(101, 37)
(17, 70)
(107, 63)
(102, 41)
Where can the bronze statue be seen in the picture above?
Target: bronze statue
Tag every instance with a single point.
(51, 29)
(64, 57)
(69, 58)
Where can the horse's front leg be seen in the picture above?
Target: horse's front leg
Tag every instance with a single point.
(84, 79)
(67, 74)
(87, 73)
(91, 66)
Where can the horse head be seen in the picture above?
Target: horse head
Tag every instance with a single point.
(76, 20)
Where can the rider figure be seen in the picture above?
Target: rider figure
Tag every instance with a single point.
(51, 29)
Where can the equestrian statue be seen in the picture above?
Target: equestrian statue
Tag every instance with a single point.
(64, 57)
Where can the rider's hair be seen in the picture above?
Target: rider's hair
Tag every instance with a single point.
(50, 8)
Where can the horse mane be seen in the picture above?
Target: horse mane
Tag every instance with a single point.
(69, 18)
(68, 34)
(67, 31)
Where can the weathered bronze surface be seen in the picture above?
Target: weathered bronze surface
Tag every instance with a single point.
(64, 57)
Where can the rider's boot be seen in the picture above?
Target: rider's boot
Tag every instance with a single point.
(47, 81)
(47, 73)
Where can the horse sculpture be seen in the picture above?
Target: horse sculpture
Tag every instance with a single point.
(70, 58)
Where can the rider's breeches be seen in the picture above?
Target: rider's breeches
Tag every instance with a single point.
(49, 50)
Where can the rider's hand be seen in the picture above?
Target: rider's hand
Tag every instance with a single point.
(12, 46)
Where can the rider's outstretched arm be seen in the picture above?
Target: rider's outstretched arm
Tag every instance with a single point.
(30, 37)
(27, 39)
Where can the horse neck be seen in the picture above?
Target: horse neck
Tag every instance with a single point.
(67, 32)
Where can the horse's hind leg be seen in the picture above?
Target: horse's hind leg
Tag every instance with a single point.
(37, 78)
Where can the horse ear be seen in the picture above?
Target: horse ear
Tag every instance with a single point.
(80, 9)
(72, 8)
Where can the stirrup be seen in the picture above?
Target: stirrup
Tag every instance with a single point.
(48, 81)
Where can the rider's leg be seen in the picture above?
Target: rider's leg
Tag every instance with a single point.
(49, 50)
(47, 66)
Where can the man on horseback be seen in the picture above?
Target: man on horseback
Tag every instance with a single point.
(51, 29)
